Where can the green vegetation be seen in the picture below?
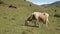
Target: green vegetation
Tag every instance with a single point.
(12, 19)
(1, 2)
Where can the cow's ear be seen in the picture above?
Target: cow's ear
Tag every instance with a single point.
(44, 14)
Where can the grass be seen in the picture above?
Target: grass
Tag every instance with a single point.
(12, 19)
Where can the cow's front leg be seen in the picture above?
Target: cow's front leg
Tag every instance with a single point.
(36, 23)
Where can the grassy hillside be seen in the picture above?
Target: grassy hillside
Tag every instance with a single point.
(12, 19)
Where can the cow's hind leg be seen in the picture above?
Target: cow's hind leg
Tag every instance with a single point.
(46, 21)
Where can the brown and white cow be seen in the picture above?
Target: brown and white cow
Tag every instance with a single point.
(38, 16)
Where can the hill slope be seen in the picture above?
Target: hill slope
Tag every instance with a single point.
(57, 3)
(12, 19)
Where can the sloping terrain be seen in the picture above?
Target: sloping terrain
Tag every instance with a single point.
(57, 3)
(12, 19)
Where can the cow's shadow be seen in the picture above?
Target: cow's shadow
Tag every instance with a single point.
(31, 26)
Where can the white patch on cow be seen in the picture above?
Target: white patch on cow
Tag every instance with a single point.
(36, 14)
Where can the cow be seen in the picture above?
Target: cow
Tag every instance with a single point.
(38, 16)
(12, 6)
